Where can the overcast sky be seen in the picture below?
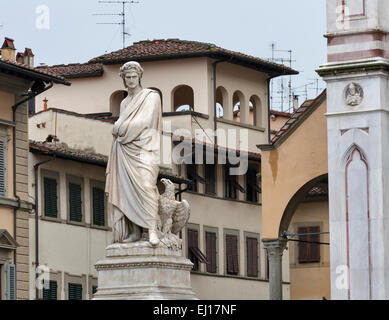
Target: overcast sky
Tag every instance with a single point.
(247, 26)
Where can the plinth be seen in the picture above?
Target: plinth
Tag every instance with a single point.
(139, 271)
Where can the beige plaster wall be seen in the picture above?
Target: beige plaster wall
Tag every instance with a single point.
(64, 247)
(310, 280)
(299, 159)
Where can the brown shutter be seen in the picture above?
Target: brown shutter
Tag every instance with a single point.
(193, 243)
(314, 249)
(303, 246)
(232, 254)
(252, 257)
(210, 239)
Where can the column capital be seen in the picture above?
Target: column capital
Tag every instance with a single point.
(275, 246)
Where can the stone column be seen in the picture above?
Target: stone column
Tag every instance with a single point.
(275, 249)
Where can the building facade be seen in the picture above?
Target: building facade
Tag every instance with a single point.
(19, 83)
(203, 88)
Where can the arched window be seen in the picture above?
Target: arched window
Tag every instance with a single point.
(237, 100)
(183, 98)
(221, 99)
(114, 102)
(159, 92)
(255, 111)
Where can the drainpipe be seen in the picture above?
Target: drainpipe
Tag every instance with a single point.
(269, 107)
(14, 108)
(36, 208)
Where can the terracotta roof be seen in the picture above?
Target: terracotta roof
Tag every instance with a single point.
(281, 114)
(216, 148)
(295, 120)
(175, 48)
(76, 70)
(29, 72)
(61, 150)
(78, 115)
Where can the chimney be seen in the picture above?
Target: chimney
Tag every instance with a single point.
(45, 104)
(295, 102)
(8, 50)
(19, 57)
(28, 58)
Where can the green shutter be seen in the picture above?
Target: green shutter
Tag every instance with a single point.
(75, 203)
(2, 168)
(98, 207)
(50, 197)
(51, 293)
(75, 291)
(11, 282)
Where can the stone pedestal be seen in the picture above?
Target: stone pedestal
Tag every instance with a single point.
(138, 271)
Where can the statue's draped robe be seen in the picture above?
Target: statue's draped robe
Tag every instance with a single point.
(133, 166)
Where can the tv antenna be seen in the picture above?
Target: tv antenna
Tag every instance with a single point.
(122, 14)
(283, 61)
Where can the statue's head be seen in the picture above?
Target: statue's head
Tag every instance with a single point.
(131, 73)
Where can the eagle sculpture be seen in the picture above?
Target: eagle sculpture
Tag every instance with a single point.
(173, 215)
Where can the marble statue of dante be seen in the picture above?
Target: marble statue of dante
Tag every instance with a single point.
(133, 166)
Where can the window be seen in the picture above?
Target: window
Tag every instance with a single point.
(210, 179)
(252, 185)
(210, 243)
(75, 199)
(191, 174)
(193, 242)
(194, 253)
(231, 184)
(232, 256)
(98, 199)
(94, 289)
(50, 197)
(2, 168)
(252, 257)
(183, 98)
(51, 292)
(75, 291)
(309, 252)
(11, 282)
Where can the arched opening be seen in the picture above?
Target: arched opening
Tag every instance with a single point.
(183, 99)
(159, 92)
(115, 100)
(255, 111)
(221, 100)
(305, 223)
(237, 102)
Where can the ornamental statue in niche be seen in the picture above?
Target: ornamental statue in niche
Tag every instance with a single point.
(353, 94)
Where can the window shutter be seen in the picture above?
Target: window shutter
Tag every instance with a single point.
(2, 168)
(314, 249)
(252, 257)
(11, 282)
(75, 203)
(193, 243)
(51, 293)
(75, 291)
(232, 254)
(98, 207)
(303, 246)
(210, 176)
(50, 197)
(210, 239)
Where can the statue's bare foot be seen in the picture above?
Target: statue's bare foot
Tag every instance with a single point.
(153, 238)
(132, 238)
